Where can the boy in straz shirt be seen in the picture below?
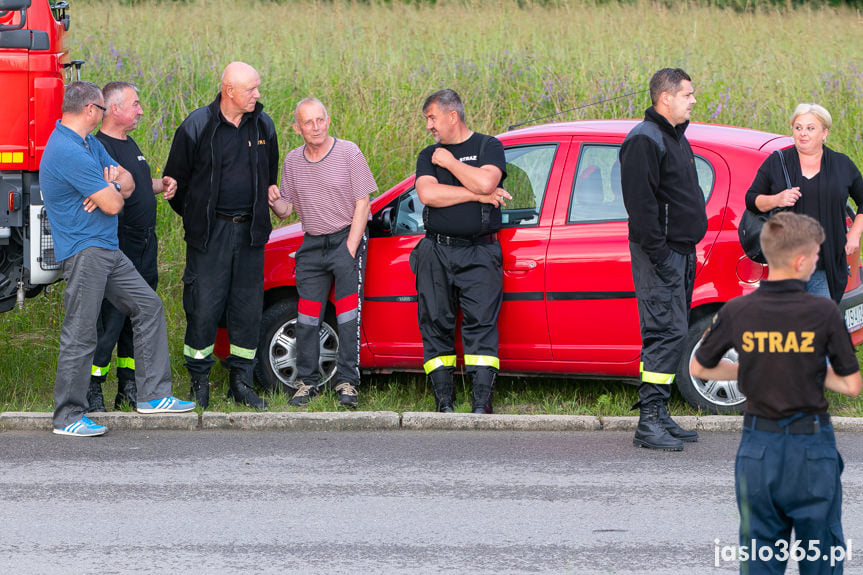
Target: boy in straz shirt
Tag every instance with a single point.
(787, 468)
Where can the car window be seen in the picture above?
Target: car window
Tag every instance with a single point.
(596, 194)
(706, 177)
(527, 169)
(527, 172)
(409, 215)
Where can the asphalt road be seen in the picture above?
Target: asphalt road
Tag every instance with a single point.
(374, 502)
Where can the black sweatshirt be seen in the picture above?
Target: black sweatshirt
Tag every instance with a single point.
(660, 188)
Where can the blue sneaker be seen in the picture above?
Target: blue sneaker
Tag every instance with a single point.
(168, 404)
(84, 427)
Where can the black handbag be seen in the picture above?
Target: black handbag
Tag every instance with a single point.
(749, 231)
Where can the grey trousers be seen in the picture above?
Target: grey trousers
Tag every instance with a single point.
(91, 275)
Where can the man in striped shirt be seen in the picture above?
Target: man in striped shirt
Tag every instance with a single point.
(328, 182)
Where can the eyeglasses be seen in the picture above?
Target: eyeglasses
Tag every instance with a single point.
(103, 108)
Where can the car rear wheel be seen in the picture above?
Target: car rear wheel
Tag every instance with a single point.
(710, 395)
(276, 368)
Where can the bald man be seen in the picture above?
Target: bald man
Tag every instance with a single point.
(225, 159)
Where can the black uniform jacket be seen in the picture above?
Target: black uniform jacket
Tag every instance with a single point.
(194, 162)
(839, 179)
(660, 188)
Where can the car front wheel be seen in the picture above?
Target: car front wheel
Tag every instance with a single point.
(710, 395)
(276, 368)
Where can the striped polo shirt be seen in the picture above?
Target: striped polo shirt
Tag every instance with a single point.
(325, 192)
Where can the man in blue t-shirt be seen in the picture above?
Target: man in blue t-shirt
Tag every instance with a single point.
(84, 191)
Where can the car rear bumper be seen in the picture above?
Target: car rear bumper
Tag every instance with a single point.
(852, 310)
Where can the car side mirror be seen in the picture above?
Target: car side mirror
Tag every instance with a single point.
(382, 221)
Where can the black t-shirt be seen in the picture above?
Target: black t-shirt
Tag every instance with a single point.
(235, 180)
(140, 208)
(782, 335)
(810, 204)
(463, 219)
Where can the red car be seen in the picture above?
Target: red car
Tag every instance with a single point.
(569, 304)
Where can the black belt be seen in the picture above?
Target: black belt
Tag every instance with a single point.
(235, 219)
(808, 424)
(461, 242)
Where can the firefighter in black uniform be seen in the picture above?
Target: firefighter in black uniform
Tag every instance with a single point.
(666, 219)
(459, 261)
(787, 468)
(136, 233)
(225, 158)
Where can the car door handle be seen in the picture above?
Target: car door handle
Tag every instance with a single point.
(521, 266)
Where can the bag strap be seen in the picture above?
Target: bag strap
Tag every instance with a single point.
(784, 170)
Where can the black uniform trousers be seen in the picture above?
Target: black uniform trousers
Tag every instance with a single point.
(449, 277)
(321, 260)
(113, 326)
(226, 280)
(664, 296)
(784, 480)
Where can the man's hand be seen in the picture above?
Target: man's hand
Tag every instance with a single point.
(442, 157)
(111, 173)
(169, 187)
(497, 198)
(353, 247)
(89, 205)
(281, 207)
(273, 194)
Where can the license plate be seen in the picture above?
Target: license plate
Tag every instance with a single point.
(854, 317)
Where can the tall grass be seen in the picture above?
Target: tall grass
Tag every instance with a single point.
(372, 64)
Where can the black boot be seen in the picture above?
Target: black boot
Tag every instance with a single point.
(687, 435)
(650, 432)
(95, 401)
(200, 392)
(127, 390)
(443, 389)
(483, 388)
(240, 389)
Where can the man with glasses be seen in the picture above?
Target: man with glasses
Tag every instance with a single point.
(136, 233)
(84, 190)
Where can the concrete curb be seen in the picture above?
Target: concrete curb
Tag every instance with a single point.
(700, 423)
(25, 421)
(301, 421)
(129, 421)
(502, 422)
(379, 420)
(847, 423)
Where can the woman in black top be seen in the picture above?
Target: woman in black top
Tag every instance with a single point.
(821, 180)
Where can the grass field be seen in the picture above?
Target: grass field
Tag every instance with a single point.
(372, 63)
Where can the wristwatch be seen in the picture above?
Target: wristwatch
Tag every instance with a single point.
(117, 186)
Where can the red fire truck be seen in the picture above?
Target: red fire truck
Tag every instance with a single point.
(34, 67)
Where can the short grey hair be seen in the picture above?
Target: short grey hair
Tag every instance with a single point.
(448, 101)
(113, 92)
(79, 95)
(819, 112)
(308, 100)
